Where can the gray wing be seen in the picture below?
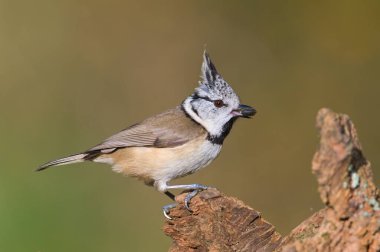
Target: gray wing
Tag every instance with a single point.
(169, 129)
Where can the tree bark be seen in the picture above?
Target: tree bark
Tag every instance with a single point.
(350, 220)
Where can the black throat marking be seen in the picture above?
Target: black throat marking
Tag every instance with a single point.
(218, 139)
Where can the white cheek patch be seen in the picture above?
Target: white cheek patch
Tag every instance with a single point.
(207, 124)
(213, 125)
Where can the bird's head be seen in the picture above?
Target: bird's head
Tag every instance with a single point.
(214, 104)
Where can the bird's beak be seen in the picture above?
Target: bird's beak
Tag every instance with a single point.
(244, 111)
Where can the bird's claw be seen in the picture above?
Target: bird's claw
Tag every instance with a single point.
(166, 210)
(188, 198)
(191, 195)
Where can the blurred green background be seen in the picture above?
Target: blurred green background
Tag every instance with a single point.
(74, 72)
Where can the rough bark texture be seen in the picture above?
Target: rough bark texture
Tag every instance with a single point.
(219, 223)
(350, 220)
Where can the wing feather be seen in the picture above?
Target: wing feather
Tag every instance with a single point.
(168, 129)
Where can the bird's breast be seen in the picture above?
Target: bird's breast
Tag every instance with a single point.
(188, 158)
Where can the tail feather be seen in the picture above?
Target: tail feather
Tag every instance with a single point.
(76, 158)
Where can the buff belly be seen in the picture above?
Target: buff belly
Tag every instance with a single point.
(162, 164)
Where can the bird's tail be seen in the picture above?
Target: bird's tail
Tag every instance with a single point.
(76, 158)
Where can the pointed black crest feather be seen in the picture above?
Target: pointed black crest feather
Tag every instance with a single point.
(209, 72)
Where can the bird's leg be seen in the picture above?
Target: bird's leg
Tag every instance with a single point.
(170, 195)
(195, 188)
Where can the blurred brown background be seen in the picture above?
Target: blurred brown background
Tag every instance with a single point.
(75, 72)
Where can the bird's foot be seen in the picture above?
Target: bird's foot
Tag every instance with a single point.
(192, 194)
(194, 190)
(166, 210)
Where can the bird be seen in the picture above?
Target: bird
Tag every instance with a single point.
(174, 143)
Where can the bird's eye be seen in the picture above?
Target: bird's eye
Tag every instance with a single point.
(218, 103)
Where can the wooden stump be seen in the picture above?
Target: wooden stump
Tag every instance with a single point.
(350, 220)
